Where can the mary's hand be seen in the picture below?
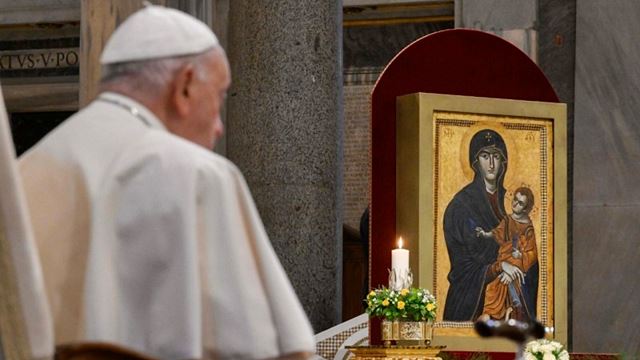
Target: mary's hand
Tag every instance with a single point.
(513, 271)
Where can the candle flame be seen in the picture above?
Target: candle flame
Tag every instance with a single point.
(400, 242)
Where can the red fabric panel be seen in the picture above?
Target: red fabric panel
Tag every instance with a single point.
(457, 62)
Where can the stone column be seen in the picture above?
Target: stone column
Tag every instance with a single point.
(284, 131)
(220, 25)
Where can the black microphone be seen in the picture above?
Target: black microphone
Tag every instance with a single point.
(511, 329)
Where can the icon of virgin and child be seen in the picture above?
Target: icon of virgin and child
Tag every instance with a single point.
(493, 254)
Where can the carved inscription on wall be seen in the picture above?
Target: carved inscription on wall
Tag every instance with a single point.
(39, 58)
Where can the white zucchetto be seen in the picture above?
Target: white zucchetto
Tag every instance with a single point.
(156, 32)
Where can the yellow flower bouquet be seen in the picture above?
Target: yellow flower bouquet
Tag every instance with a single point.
(414, 304)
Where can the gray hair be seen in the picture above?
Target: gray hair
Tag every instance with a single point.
(150, 75)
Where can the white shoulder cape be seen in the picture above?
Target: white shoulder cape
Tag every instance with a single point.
(154, 243)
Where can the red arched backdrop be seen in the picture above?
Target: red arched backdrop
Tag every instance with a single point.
(457, 62)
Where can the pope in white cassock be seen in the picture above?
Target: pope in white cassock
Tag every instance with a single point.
(147, 238)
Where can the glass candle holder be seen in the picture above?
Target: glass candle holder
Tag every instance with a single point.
(400, 279)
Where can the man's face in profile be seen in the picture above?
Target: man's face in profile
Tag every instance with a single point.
(209, 92)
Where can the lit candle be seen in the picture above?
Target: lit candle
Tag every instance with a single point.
(400, 258)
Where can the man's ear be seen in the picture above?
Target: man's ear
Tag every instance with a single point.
(183, 90)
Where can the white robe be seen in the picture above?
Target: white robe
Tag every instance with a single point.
(26, 321)
(154, 243)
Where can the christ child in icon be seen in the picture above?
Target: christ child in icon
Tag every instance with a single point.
(506, 296)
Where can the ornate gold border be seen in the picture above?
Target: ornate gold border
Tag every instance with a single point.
(416, 173)
(394, 14)
(397, 21)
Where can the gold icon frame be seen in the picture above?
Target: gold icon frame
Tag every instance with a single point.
(432, 140)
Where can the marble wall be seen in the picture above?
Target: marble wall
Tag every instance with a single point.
(606, 311)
